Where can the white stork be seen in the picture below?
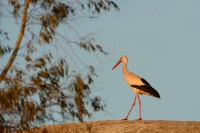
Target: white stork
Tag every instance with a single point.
(137, 84)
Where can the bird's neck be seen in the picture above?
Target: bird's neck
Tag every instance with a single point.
(124, 67)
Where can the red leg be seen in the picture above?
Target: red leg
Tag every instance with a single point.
(140, 110)
(126, 118)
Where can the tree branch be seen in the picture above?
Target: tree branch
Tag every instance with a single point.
(20, 36)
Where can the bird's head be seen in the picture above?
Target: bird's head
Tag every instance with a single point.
(122, 59)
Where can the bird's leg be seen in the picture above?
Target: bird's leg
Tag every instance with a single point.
(140, 111)
(126, 118)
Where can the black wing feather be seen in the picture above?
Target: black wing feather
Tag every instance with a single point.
(145, 82)
(147, 88)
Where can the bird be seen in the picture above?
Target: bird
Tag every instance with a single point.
(138, 84)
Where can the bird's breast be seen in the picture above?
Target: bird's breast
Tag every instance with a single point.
(132, 79)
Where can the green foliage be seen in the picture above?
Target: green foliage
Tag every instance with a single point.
(48, 86)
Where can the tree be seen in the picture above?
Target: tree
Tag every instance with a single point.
(47, 86)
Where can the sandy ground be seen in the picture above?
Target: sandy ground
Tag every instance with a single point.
(122, 126)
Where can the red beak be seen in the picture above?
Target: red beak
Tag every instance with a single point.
(117, 64)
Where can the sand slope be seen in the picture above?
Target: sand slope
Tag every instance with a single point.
(121, 126)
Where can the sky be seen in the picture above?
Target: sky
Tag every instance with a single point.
(162, 41)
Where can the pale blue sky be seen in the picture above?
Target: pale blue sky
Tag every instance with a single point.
(162, 42)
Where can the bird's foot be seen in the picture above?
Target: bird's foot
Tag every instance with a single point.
(138, 119)
(125, 119)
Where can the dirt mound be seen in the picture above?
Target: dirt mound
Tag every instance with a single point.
(122, 126)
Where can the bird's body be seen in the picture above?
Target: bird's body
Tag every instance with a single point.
(138, 84)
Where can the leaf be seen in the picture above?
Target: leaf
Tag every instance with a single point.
(91, 69)
(28, 67)
(90, 80)
(1, 51)
(83, 45)
(82, 6)
(43, 74)
(28, 58)
(42, 61)
(114, 5)
(100, 49)
(92, 47)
